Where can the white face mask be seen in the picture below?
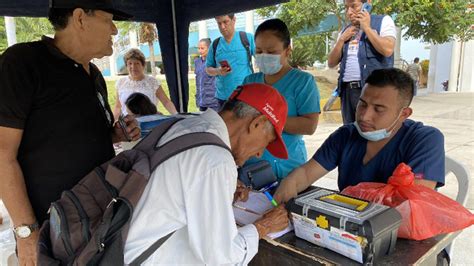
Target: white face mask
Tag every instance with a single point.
(268, 64)
(377, 135)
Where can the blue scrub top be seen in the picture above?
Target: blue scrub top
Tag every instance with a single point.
(236, 55)
(302, 96)
(419, 146)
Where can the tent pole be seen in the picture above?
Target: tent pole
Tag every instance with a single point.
(176, 53)
(10, 29)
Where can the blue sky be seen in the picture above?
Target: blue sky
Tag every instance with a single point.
(412, 48)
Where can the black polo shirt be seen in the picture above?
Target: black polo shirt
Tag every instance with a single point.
(66, 128)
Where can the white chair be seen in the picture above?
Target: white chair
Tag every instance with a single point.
(463, 177)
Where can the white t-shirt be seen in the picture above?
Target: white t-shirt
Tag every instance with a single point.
(192, 193)
(352, 70)
(126, 86)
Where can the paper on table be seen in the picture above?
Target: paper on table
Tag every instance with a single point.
(258, 203)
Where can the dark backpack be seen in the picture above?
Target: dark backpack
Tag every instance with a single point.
(88, 225)
(245, 43)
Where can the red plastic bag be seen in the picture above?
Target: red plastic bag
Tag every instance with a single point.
(425, 212)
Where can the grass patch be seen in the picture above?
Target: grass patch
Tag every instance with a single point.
(325, 90)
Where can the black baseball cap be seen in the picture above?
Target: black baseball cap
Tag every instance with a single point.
(104, 5)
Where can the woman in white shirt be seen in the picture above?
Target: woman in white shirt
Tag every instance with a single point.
(138, 81)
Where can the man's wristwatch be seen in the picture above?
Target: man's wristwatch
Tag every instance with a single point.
(25, 230)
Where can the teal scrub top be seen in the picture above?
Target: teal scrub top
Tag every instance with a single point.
(236, 55)
(302, 96)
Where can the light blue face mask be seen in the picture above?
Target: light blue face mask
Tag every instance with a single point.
(376, 135)
(268, 64)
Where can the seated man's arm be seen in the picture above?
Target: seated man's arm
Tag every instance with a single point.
(298, 180)
(426, 183)
(426, 157)
(324, 160)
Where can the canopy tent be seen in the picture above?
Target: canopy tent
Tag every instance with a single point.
(172, 18)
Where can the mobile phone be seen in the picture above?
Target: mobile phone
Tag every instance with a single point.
(224, 63)
(123, 126)
(367, 7)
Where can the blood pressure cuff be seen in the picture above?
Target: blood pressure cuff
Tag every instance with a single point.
(257, 175)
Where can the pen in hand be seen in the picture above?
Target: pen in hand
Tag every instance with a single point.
(270, 198)
(269, 187)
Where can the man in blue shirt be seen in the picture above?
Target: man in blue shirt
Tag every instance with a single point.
(381, 138)
(367, 43)
(231, 61)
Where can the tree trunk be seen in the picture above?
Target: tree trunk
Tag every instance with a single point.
(152, 58)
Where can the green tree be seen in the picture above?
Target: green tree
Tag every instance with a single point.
(303, 14)
(31, 29)
(27, 29)
(3, 36)
(435, 21)
(147, 33)
(308, 49)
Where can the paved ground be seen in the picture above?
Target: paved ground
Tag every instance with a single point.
(453, 114)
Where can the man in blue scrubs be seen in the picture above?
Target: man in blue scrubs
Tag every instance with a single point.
(381, 138)
(230, 51)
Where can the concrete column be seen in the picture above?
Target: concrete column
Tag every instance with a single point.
(202, 26)
(467, 69)
(249, 25)
(396, 52)
(10, 29)
(432, 68)
(132, 34)
(454, 69)
(113, 63)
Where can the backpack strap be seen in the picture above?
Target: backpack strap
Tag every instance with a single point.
(149, 251)
(148, 143)
(182, 143)
(215, 43)
(246, 44)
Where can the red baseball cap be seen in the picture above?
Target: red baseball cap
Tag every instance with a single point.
(270, 103)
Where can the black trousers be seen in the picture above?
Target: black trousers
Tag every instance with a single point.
(349, 99)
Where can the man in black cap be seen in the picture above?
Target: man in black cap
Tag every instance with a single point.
(55, 122)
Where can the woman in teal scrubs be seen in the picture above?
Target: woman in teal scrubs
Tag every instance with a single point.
(272, 41)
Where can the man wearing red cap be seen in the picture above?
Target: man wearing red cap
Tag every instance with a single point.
(190, 195)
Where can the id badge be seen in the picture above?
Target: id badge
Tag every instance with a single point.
(353, 47)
